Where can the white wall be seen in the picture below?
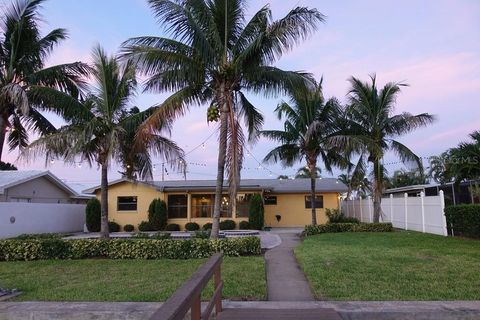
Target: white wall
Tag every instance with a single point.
(40, 218)
(424, 214)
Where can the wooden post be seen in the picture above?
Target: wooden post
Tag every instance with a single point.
(405, 195)
(196, 312)
(422, 196)
(444, 219)
(217, 279)
(391, 208)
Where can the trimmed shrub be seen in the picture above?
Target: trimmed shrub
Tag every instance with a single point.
(44, 249)
(347, 227)
(464, 220)
(227, 225)
(256, 212)
(192, 226)
(200, 234)
(145, 226)
(172, 227)
(41, 236)
(244, 225)
(92, 215)
(128, 228)
(113, 226)
(207, 226)
(157, 214)
(161, 236)
(335, 216)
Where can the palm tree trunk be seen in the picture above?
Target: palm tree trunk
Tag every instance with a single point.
(222, 152)
(104, 232)
(377, 191)
(3, 131)
(313, 175)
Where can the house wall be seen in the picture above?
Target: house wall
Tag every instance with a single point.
(39, 190)
(290, 206)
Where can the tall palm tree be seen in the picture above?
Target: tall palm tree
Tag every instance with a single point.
(213, 58)
(24, 79)
(374, 128)
(101, 126)
(305, 173)
(310, 123)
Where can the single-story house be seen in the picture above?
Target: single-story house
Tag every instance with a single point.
(286, 202)
(37, 186)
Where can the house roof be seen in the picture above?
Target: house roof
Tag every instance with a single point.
(11, 178)
(269, 185)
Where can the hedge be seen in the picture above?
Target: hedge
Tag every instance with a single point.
(464, 220)
(46, 249)
(347, 227)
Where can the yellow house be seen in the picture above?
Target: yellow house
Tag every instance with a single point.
(286, 202)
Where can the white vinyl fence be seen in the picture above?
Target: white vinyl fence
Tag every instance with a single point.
(424, 214)
(18, 218)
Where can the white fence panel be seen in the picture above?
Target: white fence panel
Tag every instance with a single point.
(423, 214)
(19, 218)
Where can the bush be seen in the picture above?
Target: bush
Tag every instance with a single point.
(207, 226)
(93, 215)
(227, 225)
(256, 212)
(244, 225)
(347, 227)
(161, 236)
(464, 220)
(145, 226)
(192, 226)
(113, 226)
(43, 249)
(335, 216)
(172, 227)
(157, 214)
(128, 228)
(200, 234)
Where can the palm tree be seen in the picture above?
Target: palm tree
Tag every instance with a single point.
(101, 126)
(214, 58)
(24, 80)
(374, 128)
(438, 170)
(305, 173)
(403, 178)
(310, 123)
(464, 161)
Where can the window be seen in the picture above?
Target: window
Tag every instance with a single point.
(127, 204)
(177, 206)
(243, 205)
(14, 199)
(203, 205)
(318, 202)
(270, 200)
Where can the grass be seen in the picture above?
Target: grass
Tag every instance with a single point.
(126, 280)
(391, 266)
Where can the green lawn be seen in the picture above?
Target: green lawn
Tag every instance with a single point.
(126, 280)
(391, 266)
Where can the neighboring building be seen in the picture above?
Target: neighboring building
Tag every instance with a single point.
(462, 194)
(193, 200)
(36, 186)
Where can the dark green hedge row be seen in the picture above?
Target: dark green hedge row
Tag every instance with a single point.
(347, 227)
(464, 220)
(44, 249)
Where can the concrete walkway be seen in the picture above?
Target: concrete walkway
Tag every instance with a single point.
(285, 279)
(355, 310)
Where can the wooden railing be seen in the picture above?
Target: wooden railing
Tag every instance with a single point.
(189, 295)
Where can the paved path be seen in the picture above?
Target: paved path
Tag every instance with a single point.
(285, 279)
(355, 310)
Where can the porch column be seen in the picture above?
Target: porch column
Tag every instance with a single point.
(189, 207)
